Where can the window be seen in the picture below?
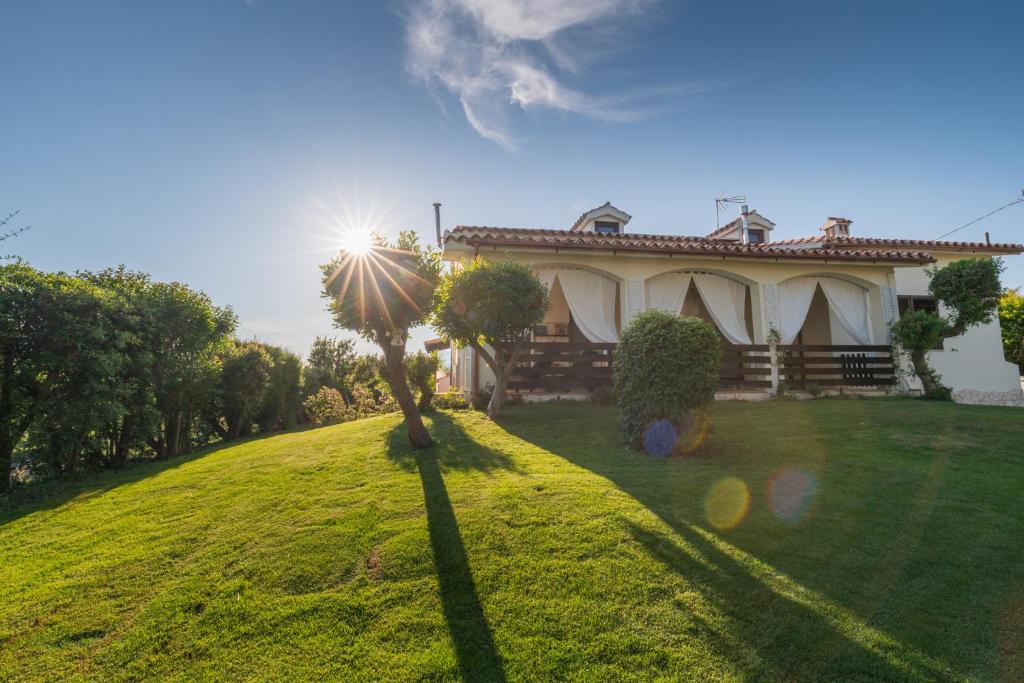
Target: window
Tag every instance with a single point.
(606, 227)
(917, 303)
(755, 236)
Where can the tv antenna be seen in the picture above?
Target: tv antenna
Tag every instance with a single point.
(722, 203)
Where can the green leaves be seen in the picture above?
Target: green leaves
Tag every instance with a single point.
(665, 367)
(380, 295)
(489, 302)
(1011, 319)
(969, 289)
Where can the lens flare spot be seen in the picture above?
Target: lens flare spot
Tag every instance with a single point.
(660, 438)
(727, 502)
(789, 493)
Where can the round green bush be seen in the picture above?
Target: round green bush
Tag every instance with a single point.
(665, 367)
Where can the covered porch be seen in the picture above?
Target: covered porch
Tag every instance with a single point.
(809, 331)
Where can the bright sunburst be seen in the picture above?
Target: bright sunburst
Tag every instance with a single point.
(357, 241)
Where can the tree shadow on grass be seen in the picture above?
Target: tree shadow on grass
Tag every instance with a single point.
(775, 627)
(468, 629)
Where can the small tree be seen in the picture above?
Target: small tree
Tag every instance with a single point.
(1011, 320)
(970, 290)
(381, 294)
(421, 371)
(491, 303)
(665, 368)
(244, 377)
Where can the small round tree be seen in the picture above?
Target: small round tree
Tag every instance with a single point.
(491, 303)
(421, 372)
(380, 291)
(665, 367)
(970, 290)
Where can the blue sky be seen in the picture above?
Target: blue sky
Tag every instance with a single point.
(211, 141)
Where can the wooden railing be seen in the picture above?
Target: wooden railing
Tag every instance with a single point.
(557, 367)
(834, 365)
(745, 366)
(563, 367)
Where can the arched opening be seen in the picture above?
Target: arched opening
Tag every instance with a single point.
(585, 306)
(723, 301)
(822, 310)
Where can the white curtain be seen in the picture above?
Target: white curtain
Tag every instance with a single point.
(849, 304)
(726, 301)
(591, 301)
(794, 301)
(667, 292)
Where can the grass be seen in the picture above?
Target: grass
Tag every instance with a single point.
(882, 540)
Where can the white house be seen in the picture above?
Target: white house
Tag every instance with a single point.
(809, 312)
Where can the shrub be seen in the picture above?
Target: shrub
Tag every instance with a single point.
(482, 398)
(326, 406)
(665, 368)
(450, 400)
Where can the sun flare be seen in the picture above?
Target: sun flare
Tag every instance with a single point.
(357, 242)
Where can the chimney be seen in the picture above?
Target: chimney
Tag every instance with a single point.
(745, 235)
(437, 222)
(836, 227)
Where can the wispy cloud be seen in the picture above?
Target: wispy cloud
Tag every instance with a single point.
(496, 55)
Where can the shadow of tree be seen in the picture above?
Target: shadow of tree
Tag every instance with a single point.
(453, 448)
(467, 625)
(778, 628)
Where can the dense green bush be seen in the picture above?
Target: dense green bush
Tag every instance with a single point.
(327, 406)
(450, 400)
(665, 367)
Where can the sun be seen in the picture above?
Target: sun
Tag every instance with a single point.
(357, 242)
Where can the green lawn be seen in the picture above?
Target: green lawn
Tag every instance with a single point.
(884, 540)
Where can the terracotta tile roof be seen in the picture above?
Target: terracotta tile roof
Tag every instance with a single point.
(846, 242)
(475, 236)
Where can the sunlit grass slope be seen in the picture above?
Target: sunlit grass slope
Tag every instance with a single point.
(816, 540)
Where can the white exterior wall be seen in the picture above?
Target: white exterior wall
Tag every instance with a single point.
(972, 365)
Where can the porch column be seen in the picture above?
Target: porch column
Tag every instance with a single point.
(634, 300)
(769, 295)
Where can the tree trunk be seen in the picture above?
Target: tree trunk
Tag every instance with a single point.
(932, 388)
(501, 365)
(393, 359)
(6, 457)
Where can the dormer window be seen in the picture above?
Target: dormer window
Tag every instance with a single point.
(607, 227)
(755, 236)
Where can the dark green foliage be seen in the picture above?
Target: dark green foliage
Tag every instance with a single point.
(491, 304)
(101, 367)
(330, 363)
(281, 407)
(970, 289)
(421, 372)
(1011, 320)
(244, 376)
(665, 367)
